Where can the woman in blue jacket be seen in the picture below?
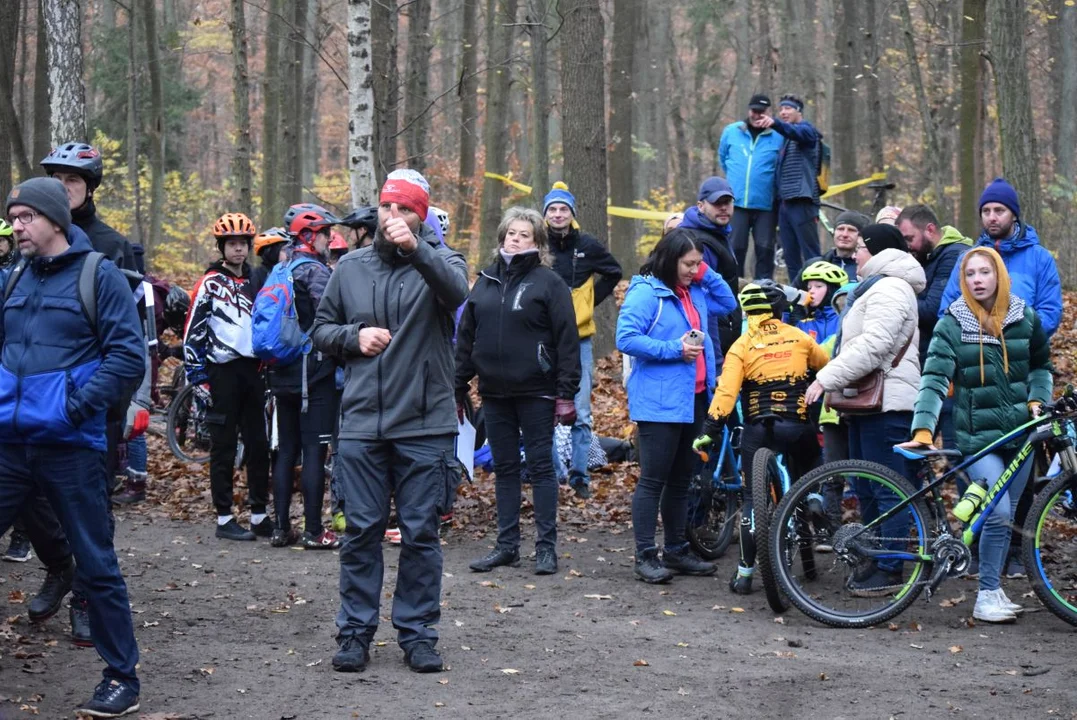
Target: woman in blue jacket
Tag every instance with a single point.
(669, 389)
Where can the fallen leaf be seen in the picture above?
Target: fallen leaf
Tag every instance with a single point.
(510, 671)
(682, 644)
(780, 620)
(529, 586)
(641, 663)
(951, 602)
(206, 670)
(736, 609)
(575, 573)
(489, 584)
(16, 597)
(599, 597)
(380, 643)
(669, 612)
(682, 691)
(316, 662)
(443, 681)
(501, 610)
(893, 627)
(914, 645)
(824, 676)
(785, 654)
(439, 704)
(955, 649)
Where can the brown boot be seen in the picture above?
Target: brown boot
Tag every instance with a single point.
(134, 489)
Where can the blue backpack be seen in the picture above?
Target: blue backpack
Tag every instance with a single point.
(275, 333)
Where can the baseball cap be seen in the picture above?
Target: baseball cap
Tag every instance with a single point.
(714, 188)
(759, 102)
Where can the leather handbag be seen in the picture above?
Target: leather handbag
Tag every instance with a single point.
(865, 396)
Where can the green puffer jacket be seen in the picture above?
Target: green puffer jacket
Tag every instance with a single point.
(988, 409)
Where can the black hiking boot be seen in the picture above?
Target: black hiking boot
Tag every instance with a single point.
(421, 657)
(50, 598)
(545, 561)
(232, 530)
(496, 558)
(686, 562)
(80, 622)
(650, 569)
(353, 654)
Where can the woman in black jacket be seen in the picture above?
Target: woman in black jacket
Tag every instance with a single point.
(518, 334)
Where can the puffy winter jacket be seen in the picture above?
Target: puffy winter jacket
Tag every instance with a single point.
(718, 254)
(309, 279)
(652, 322)
(937, 270)
(219, 322)
(749, 163)
(1033, 275)
(518, 333)
(407, 389)
(819, 323)
(798, 161)
(58, 375)
(876, 326)
(589, 270)
(989, 406)
(103, 237)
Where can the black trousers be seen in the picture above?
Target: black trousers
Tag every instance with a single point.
(308, 434)
(238, 393)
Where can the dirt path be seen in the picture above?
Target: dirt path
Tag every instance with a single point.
(245, 631)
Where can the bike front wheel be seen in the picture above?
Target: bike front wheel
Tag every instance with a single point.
(187, 431)
(838, 592)
(1050, 547)
(766, 493)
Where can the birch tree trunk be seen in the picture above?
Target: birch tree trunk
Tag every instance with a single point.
(67, 94)
(241, 161)
(364, 187)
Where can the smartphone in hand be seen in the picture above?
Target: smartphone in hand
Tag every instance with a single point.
(694, 337)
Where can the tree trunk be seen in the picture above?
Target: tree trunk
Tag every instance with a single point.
(42, 127)
(469, 111)
(970, 141)
(271, 120)
(683, 182)
(1020, 162)
(1067, 119)
(157, 126)
(292, 130)
(931, 141)
(416, 114)
(383, 25)
(767, 52)
(500, 19)
(845, 99)
(742, 31)
(241, 161)
(133, 72)
(67, 94)
(364, 186)
(12, 148)
(874, 119)
(583, 96)
(309, 116)
(622, 181)
(540, 101)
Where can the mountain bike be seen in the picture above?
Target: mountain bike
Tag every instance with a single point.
(916, 532)
(188, 432)
(714, 507)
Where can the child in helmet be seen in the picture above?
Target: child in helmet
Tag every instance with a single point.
(338, 248)
(770, 367)
(818, 318)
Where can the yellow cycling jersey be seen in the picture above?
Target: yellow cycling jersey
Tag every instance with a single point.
(772, 365)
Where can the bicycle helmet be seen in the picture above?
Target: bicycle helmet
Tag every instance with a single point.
(337, 242)
(307, 223)
(290, 213)
(272, 236)
(364, 217)
(826, 272)
(761, 296)
(234, 225)
(177, 303)
(5, 228)
(443, 219)
(842, 294)
(78, 158)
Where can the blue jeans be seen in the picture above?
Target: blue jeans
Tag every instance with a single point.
(137, 454)
(507, 420)
(417, 473)
(798, 228)
(871, 438)
(74, 481)
(996, 531)
(581, 429)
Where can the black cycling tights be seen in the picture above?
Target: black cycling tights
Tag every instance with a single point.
(295, 443)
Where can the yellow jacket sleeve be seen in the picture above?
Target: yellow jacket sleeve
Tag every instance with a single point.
(725, 395)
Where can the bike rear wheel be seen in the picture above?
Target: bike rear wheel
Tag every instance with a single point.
(821, 589)
(187, 431)
(766, 493)
(1050, 546)
(712, 518)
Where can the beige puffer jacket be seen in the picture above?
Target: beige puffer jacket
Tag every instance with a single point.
(877, 326)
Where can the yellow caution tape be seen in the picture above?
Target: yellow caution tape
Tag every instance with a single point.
(509, 181)
(836, 189)
(637, 214)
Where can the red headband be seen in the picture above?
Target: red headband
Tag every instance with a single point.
(406, 194)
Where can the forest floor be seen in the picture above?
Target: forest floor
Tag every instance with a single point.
(242, 630)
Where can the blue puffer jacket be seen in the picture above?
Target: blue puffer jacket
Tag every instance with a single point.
(821, 323)
(662, 385)
(57, 376)
(1033, 275)
(749, 164)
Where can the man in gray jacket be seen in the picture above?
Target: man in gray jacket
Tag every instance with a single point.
(387, 314)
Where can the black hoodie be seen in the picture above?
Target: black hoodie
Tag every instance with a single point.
(103, 237)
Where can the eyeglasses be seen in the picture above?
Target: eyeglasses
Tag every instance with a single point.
(860, 246)
(26, 217)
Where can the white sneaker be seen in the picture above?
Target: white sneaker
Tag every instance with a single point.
(989, 608)
(1009, 604)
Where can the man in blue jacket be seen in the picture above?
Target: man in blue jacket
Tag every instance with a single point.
(748, 154)
(59, 374)
(797, 183)
(1033, 273)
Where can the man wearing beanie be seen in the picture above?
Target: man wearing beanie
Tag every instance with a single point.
(1033, 273)
(797, 183)
(748, 154)
(592, 274)
(387, 315)
(59, 373)
(847, 229)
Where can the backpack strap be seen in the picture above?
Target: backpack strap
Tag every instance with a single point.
(88, 287)
(13, 278)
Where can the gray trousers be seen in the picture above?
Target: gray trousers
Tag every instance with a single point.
(422, 475)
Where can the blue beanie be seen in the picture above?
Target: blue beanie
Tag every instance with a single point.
(1001, 192)
(559, 194)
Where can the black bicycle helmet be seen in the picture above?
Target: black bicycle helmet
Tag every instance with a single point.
(78, 158)
(364, 217)
(177, 303)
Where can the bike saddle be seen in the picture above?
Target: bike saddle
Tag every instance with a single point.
(927, 453)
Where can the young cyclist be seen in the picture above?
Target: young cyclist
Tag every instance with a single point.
(769, 367)
(217, 350)
(268, 245)
(818, 318)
